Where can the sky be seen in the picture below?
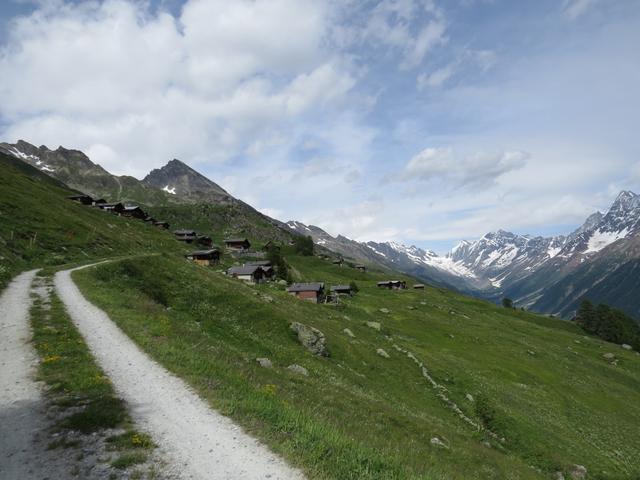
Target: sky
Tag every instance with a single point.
(418, 121)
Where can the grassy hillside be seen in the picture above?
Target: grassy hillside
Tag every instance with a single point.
(39, 226)
(536, 382)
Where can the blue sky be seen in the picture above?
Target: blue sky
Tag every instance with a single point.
(420, 121)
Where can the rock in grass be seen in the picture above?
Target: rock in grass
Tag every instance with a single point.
(264, 362)
(385, 310)
(311, 338)
(349, 333)
(374, 325)
(295, 368)
(578, 472)
(609, 356)
(626, 346)
(436, 442)
(558, 476)
(382, 353)
(469, 397)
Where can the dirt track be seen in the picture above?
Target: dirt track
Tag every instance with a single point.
(200, 442)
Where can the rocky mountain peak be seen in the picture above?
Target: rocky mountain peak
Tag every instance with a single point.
(177, 178)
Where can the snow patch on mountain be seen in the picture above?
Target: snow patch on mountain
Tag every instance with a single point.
(171, 190)
(600, 239)
(430, 258)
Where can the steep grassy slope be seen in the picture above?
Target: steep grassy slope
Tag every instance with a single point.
(39, 226)
(536, 382)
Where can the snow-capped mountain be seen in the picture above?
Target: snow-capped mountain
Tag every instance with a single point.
(537, 272)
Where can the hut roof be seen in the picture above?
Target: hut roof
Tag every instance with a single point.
(341, 288)
(306, 287)
(244, 270)
(419, 285)
(261, 263)
(210, 251)
(184, 232)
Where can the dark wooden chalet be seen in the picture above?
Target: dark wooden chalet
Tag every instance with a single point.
(187, 236)
(150, 220)
(83, 199)
(393, 284)
(204, 240)
(247, 273)
(312, 292)
(338, 262)
(419, 286)
(134, 211)
(205, 257)
(342, 290)
(362, 268)
(237, 244)
(99, 201)
(161, 224)
(116, 208)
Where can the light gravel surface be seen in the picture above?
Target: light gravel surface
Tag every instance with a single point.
(199, 442)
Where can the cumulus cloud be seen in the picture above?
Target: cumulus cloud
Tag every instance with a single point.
(476, 170)
(121, 82)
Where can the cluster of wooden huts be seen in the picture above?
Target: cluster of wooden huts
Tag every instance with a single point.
(120, 209)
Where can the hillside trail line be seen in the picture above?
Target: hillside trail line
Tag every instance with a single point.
(199, 442)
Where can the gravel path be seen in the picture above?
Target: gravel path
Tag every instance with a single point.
(23, 420)
(199, 442)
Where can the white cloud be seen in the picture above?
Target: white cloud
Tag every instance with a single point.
(475, 170)
(120, 82)
(575, 8)
(437, 77)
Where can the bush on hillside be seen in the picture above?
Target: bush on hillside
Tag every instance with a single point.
(507, 303)
(304, 245)
(608, 323)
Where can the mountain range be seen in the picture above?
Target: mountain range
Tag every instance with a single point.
(600, 260)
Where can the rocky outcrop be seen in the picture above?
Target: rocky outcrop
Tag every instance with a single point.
(311, 338)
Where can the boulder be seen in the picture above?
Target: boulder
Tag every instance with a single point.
(382, 353)
(385, 310)
(349, 333)
(282, 282)
(578, 472)
(436, 442)
(374, 325)
(411, 307)
(558, 476)
(626, 346)
(264, 362)
(610, 357)
(469, 397)
(295, 368)
(311, 338)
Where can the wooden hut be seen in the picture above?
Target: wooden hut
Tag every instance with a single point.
(134, 211)
(205, 257)
(161, 224)
(393, 284)
(116, 208)
(419, 286)
(237, 244)
(361, 268)
(312, 292)
(342, 290)
(83, 199)
(247, 273)
(204, 240)
(187, 236)
(338, 262)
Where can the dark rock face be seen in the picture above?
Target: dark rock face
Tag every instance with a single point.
(177, 178)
